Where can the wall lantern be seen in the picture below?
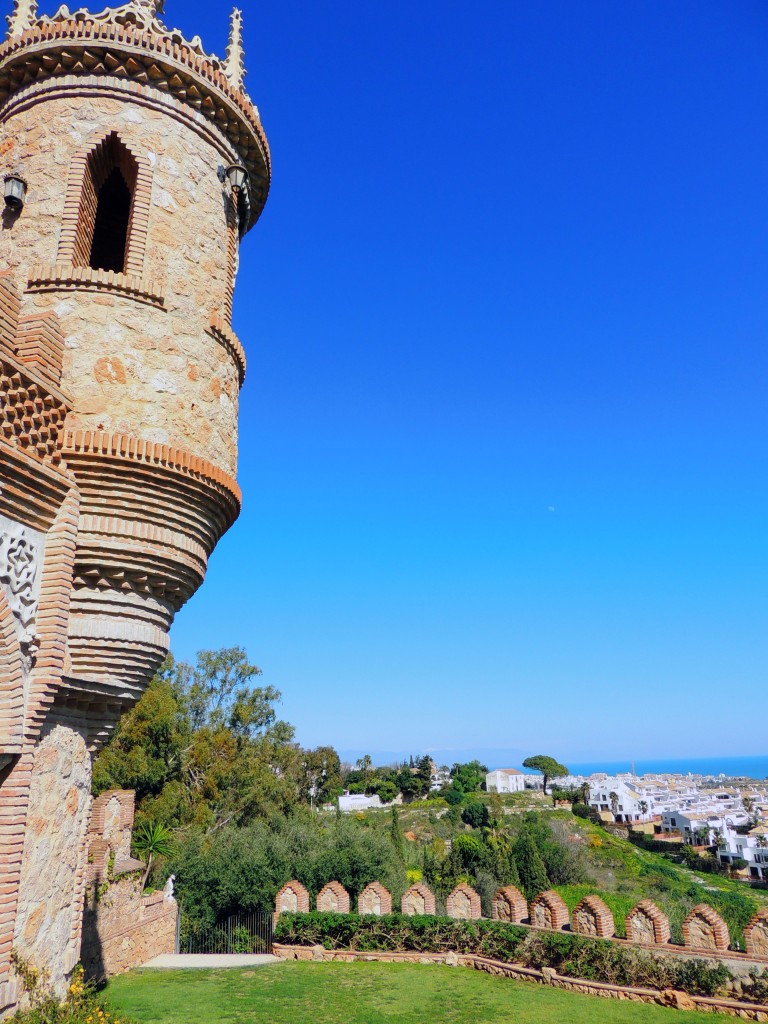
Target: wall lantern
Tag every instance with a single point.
(237, 176)
(15, 190)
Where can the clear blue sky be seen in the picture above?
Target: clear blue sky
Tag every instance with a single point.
(504, 434)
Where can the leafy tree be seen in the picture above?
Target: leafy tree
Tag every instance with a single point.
(320, 775)
(530, 866)
(468, 853)
(414, 781)
(203, 747)
(453, 796)
(221, 693)
(145, 753)
(385, 789)
(548, 766)
(474, 813)
(468, 778)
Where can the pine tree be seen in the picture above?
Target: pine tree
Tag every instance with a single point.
(530, 866)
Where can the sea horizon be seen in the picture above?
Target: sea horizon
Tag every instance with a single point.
(754, 767)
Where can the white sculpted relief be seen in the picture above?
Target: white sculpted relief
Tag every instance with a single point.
(20, 568)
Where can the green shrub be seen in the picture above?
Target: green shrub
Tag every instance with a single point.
(452, 796)
(81, 1005)
(474, 813)
(581, 810)
(575, 956)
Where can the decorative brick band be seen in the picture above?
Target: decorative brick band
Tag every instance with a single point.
(374, 899)
(333, 898)
(124, 446)
(509, 905)
(592, 917)
(40, 344)
(65, 277)
(548, 910)
(114, 527)
(226, 337)
(73, 47)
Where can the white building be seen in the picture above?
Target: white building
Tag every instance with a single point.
(505, 780)
(350, 802)
(753, 848)
(702, 828)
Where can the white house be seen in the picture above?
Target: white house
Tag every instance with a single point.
(350, 802)
(753, 848)
(702, 828)
(505, 780)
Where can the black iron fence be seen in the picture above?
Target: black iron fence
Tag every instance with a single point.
(240, 933)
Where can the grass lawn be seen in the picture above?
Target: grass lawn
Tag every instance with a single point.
(366, 993)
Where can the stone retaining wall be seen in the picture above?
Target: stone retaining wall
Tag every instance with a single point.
(545, 976)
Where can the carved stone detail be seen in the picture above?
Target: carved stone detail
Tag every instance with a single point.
(22, 17)
(20, 563)
(234, 64)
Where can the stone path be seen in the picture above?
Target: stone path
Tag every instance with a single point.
(178, 961)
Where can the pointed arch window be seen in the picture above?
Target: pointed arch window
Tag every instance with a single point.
(106, 211)
(107, 201)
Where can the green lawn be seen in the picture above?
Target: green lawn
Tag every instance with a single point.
(366, 993)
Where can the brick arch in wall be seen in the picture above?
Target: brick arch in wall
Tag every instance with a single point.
(90, 168)
(11, 682)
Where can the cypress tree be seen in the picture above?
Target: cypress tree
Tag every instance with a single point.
(396, 836)
(530, 866)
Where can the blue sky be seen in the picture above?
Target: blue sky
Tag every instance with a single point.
(504, 443)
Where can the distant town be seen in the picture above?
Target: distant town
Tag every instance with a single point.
(726, 814)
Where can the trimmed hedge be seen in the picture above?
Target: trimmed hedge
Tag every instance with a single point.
(575, 956)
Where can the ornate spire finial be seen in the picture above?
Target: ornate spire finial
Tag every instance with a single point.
(22, 17)
(234, 64)
(148, 8)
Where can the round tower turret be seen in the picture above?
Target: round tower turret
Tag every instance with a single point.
(144, 162)
(132, 163)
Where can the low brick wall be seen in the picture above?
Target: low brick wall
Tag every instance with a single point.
(122, 928)
(546, 976)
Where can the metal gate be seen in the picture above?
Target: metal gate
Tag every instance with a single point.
(240, 933)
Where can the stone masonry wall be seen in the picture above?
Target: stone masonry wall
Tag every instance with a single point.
(54, 853)
(122, 928)
(145, 369)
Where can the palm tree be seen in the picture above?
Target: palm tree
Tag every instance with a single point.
(152, 839)
(643, 809)
(364, 765)
(614, 798)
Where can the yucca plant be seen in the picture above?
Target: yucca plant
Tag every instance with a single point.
(152, 839)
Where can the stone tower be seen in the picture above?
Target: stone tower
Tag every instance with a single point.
(133, 162)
